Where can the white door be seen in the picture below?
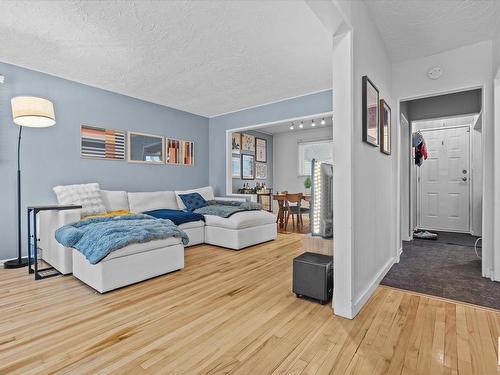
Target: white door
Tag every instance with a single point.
(443, 181)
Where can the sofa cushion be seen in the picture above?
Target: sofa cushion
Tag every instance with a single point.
(87, 195)
(239, 220)
(206, 192)
(115, 200)
(136, 248)
(148, 201)
(192, 201)
(192, 224)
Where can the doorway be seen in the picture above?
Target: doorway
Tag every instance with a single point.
(443, 181)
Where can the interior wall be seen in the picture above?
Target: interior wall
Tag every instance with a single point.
(302, 106)
(285, 157)
(463, 68)
(405, 134)
(375, 241)
(51, 156)
(238, 182)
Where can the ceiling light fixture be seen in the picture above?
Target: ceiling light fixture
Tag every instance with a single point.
(301, 124)
(292, 127)
(323, 121)
(313, 123)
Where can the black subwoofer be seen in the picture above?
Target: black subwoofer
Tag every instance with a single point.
(313, 276)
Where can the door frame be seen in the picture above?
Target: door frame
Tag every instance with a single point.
(471, 174)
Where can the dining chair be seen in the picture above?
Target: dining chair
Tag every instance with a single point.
(294, 208)
(280, 197)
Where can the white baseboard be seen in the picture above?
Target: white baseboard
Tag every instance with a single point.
(360, 302)
(398, 256)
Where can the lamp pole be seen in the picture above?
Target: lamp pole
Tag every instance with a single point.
(20, 261)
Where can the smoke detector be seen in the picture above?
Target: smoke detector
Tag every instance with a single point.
(435, 73)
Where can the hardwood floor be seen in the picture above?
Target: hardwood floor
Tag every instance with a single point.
(233, 312)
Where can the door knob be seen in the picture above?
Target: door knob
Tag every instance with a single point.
(464, 178)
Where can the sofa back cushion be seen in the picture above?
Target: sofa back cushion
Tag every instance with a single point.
(206, 192)
(87, 195)
(115, 200)
(149, 201)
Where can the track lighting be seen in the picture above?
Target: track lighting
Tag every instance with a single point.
(292, 127)
(323, 121)
(313, 124)
(301, 124)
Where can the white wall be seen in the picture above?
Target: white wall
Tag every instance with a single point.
(285, 147)
(374, 202)
(463, 68)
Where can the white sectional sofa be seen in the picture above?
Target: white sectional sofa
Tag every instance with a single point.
(137, 262)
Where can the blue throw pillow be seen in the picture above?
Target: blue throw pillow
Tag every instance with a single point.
(193, 201)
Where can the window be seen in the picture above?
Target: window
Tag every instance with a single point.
(319, 150)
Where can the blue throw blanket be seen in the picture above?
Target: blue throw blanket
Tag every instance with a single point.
(227, 208)
(177, 216)
(97, 237)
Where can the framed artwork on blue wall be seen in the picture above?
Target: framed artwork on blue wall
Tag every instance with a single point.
(247, 167)
(236, 167)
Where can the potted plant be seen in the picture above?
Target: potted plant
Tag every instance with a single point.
(307, 185)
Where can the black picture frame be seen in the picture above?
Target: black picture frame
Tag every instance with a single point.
(257, 159)
(385, 126)
(250, 158)
(371, 131)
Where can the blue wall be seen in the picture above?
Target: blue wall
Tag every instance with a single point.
(297, 107)
(51, 156)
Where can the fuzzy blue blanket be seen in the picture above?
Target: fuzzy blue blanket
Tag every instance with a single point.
(227, 208)
(97, 237)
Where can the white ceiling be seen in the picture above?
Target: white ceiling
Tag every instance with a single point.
(284, 127)
(205, 57)
(417, 28)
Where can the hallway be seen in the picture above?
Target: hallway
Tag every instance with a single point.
(447, 267)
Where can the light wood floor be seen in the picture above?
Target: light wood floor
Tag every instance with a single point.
(233, 312)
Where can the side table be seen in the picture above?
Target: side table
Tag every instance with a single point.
(33, 239)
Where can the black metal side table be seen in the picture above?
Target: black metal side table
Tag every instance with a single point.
(33, 239)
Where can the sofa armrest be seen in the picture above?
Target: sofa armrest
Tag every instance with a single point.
(52, 252)
(237, 199)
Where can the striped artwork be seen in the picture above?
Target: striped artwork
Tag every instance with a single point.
(97, 143)
(180, 152)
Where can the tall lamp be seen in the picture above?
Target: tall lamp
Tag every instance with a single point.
(32, 112)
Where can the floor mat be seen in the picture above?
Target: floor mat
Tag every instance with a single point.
(447, 267)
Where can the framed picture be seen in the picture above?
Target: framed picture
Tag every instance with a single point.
(179, 152)
(260, 150)
(247, 167)
(260, 171)
(385, 127)
(371, 116)
(235, 143)
(236, 167)
(98, 143)
(248, 142)
(145, 148)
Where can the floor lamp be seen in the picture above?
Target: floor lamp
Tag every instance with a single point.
(31, 112)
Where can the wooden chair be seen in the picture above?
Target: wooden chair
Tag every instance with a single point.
(294, 208)
(282, 208)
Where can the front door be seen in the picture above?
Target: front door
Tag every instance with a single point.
(443, 181)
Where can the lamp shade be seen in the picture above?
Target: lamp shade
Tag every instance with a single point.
(32, 111)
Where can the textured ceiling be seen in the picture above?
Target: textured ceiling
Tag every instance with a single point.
(205, 57)
(417, 28)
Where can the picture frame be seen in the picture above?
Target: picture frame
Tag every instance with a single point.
(260, 150)
(385, 127)
(102, 144)
(235, 143)
(370, 116)
(236, 167)
(247, 167)
(260, 171)
(179, 152)
(145, 148)
(247, 142)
